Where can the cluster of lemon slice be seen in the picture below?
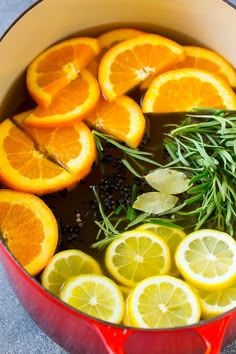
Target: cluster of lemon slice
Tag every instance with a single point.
(155, 277)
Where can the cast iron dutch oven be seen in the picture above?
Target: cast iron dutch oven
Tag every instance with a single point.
(211, 23)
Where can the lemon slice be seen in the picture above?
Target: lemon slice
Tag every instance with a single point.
(214, 303)
(207, 259)
(163, 302)
(126, 319)
(65, 265)
(125, 292)
(172, 236)
(95, 295)
(136, 255)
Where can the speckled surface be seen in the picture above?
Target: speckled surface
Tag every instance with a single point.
(18, 333)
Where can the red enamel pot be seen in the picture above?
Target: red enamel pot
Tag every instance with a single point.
(211, 23)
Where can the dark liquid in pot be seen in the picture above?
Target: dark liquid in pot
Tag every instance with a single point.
(80, 202)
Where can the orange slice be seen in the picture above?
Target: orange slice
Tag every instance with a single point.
(28, 228)
(71, 104)
(202, 58)
(72, 147)
(185, 89)
(57, 66)
(122, 118)
(24, 168)
(108, 40)
(130, 62)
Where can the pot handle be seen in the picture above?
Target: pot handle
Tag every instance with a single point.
(114, 338)
(213, 334)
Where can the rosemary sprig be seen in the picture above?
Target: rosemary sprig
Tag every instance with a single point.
(128, 217)
(133, 155)
(206, 151)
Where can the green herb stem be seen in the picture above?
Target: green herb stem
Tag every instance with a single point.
(134, 155)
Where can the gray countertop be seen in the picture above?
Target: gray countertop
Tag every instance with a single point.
(18, 333)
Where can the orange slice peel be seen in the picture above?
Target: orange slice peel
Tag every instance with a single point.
(110, 38)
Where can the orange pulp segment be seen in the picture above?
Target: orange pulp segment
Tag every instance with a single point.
(24, 168)
(29, 229)
(122, 118)
(182, 90)
(109, 39)
(127, 64)
(71, 104)
(202, 58)
(57, 66)
(72, 147)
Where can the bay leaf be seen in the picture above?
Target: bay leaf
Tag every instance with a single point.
(168, 181)
(155, 202)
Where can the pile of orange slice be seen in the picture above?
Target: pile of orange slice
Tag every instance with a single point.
(84, 83)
